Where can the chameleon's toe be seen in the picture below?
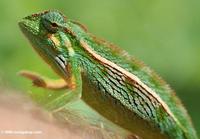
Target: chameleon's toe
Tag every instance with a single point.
(37, 80)
(39, 83)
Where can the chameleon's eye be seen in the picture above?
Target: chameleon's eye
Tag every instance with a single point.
(51, 27)
(54, 25)
(52, 21)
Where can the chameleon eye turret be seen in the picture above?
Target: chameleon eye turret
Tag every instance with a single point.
(52, 21)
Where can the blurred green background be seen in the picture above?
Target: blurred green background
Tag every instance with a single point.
(163, 34)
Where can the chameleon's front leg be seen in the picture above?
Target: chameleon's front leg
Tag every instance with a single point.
(56, 101)
(44, 82)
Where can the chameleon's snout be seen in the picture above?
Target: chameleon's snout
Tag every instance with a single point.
(29, 26)
(21, 25)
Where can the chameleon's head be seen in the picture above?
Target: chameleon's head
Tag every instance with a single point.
(45, 32)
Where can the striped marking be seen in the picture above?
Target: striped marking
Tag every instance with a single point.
(136, 81)
(67, 43)
(55, 40)
(71, 51)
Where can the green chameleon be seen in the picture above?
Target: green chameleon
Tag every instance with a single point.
(116, 85)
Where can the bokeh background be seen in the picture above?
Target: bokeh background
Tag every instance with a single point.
(163, 34)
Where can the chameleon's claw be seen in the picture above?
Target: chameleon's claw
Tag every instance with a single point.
(39, 83)
(37, 80)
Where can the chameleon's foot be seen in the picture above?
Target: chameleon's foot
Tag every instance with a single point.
(43, 82)
(37, 79)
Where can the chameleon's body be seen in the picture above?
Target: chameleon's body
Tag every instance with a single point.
(117, 86)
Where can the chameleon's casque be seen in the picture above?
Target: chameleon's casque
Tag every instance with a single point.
(116, 85)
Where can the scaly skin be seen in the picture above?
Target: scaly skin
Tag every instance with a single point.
(119, 87)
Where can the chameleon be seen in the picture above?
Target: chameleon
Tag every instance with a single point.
(116, 85)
